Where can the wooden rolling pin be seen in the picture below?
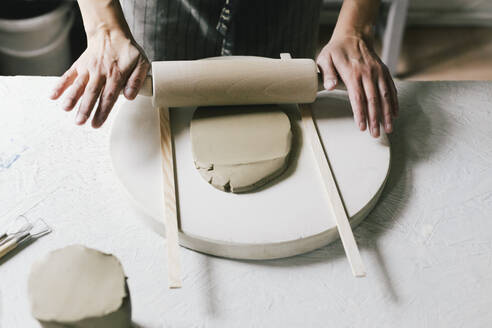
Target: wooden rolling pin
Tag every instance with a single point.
(231, 82)
(239, 81)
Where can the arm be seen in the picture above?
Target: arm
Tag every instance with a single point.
(112, 62)
(350, 57)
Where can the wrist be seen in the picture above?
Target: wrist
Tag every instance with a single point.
(103, 31)
(103, 17)
(356, 19)
(365, 33)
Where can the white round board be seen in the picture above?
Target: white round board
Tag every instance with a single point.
(289, 216)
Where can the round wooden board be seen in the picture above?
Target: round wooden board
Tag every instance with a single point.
(290, 216)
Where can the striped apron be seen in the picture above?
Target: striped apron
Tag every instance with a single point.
(194, 29)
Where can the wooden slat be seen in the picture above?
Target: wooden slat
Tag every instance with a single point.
(334, 198)
(170, 217)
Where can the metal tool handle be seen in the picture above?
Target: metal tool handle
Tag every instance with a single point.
(7, 247)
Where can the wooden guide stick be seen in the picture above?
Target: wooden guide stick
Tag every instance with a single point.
(170, 210)
(336, 203)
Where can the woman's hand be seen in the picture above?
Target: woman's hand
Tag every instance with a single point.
(349, 57)
(112, 62)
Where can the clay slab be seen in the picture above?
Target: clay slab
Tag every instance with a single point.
(240, 148)
(79, 286)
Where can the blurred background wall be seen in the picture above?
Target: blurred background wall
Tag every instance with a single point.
(451, 5)
(441, 39)
(453, 12)
(432, 12)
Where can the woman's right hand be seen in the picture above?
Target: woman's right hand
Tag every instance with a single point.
(112, 62)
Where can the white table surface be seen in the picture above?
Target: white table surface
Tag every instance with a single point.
(427, 245)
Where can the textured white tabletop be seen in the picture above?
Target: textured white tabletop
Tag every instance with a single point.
(427, 246)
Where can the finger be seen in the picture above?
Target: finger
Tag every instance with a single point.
(108, 97)
(386, 104)
(136, 79)
(373, 104)
(75, 92)
(394, 95)
(330, 79)
(63, 83)
(91, 94)
(357, 101)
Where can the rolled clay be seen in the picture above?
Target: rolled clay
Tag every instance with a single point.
(79, 287)
(240, 148)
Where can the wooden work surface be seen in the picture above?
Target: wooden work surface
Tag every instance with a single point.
(427, 245)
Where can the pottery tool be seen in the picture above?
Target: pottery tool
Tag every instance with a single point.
(335, 200)
(19, 224)
(171, 218)
(21, 232)
(336, 203)
(242, 81)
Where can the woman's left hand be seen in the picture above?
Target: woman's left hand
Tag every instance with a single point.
(350, 57)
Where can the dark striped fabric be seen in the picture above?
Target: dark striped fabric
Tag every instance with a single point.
(194, 29)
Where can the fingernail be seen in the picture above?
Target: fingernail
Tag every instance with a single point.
(80, 118)
(66, 105)
(54, 94)
(388, 127)
(96, 122)
(131, 92)
(374, 132)
(330, 84)
(362, 126)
